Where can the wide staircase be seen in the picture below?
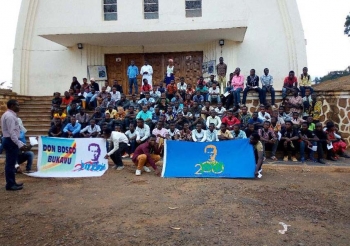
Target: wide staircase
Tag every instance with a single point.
(35, 114)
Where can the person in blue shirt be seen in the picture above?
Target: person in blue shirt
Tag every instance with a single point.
(255, 121)
(132, 73)
(144, 114)
(198, 98)
(72, 130)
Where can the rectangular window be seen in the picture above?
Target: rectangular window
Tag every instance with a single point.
(151, 9)
(110, 10)
(193, 8)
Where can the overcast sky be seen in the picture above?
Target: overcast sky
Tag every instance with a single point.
(323, 20)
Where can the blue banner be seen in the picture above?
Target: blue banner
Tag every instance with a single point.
(225, 159)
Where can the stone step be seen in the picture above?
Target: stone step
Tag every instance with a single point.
(27, 106)
(39, 132)
(36, 102)
(35, 118)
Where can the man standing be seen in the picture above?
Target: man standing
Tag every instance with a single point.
(146, 155)
(119, 141)
(267, 86)
(132, 73)
(11, 143)
(146, 72)
(221, 70)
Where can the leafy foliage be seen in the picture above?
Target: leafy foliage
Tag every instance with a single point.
(347, 26)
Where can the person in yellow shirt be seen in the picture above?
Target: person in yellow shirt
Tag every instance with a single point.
(305, 82)
(112, 112)
(59, 114)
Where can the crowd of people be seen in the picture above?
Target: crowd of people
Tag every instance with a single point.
(208, 111)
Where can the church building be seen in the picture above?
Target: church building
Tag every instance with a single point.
(57, 40)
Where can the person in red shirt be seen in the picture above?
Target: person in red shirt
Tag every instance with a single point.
(146, 155)
(190, 91)
(145, 88)
(67, 99)
(290, 84)
(230, 120)
(171, 90)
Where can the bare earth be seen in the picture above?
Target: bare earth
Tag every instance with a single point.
(122, 209)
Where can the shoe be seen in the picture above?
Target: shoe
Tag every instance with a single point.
(312, 159)
(115, 167)
(274, 158)
(285, 158)
(19, 184)
(147, 170)
(264, 158)
(14, 188)
(125, 156)
(295, 159)
(28, 171)
(302, 159)
(138, 172)
(345, 156)
(120, 168)
(19, 170)
(332, 158)
(131, 155)
(321, 161)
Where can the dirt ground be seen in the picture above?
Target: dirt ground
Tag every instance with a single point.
(122, 209)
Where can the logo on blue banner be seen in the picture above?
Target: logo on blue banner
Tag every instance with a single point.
(226, 159)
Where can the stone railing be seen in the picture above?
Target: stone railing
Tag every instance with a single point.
(336, 107)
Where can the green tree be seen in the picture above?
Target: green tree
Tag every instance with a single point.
(347, 26)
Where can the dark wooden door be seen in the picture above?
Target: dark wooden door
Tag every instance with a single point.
(187, 65)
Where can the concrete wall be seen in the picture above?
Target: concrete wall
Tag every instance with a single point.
(274, 38)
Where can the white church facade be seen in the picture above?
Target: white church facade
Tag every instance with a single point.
(57, 40)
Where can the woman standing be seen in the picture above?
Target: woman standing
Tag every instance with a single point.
(169, 72)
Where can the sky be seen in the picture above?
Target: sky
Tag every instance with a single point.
(328, 49)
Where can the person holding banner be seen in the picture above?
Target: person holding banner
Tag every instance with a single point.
(11, 143)
(120, 145)
(146, 155)
(258, 152)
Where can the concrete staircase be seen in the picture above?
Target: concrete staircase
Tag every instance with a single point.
(35, 114)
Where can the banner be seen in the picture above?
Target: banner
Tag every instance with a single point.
(224, 159)
(71, 157)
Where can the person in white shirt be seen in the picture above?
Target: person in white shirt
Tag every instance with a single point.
(220, 110)
(132, 135)
(214, 93)
(155, 94)
(182, 87)
(263, 115)
(173, 133)
(91, 131)
(115, 95)
(212, 134)
(120, 145)
(199, 135)
(214, 119)
(108, 88)
(143, 131)
(147, 72)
